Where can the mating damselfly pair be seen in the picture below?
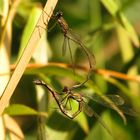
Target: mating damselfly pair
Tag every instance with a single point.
(67, 95)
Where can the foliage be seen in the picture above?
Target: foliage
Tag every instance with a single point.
(110, 30)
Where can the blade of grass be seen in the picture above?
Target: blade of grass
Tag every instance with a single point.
(8, 20)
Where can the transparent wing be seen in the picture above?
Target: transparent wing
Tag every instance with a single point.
(90, 112)
(74, 35)
(129, 111)
(77, 39)
(64, 46)
(116, 100)
(103, 99)
(111, 101)
(72, 60)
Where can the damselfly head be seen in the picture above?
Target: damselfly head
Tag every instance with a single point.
(65, 89)
(37, 81)
(59, 14)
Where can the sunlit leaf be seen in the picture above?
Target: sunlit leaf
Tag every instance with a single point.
(34, 15)
(18, 109)
(116, 12)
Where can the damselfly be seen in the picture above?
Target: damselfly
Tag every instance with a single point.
(69, 35)
(114, 102)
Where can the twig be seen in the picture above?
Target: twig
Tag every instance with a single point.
(110, 73)
(104, 72)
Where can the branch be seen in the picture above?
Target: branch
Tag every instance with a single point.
(104, 72)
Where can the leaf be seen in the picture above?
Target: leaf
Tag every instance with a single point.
(18, 109)
(98, 132)
(13, 128)
(3, 11)
(135, 101)
(34, 15)
(83, 123)
(114, 10)
(111, 6)
(128, 28)
(61, 71)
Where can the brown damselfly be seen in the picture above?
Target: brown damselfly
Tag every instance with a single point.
(114, 102)
(69, 35)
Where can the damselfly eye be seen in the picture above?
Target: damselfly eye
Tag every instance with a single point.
(59, 14)
(65, 89)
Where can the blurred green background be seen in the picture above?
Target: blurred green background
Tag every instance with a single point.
(107, 29)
